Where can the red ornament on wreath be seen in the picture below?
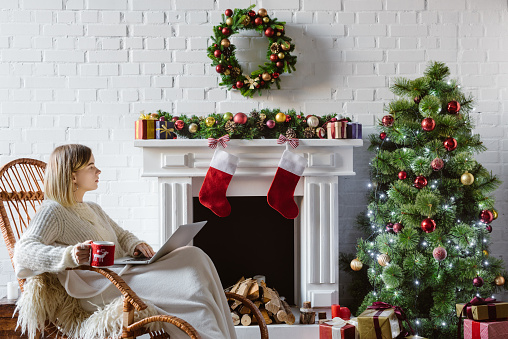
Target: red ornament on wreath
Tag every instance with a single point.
(269, 32)
(387, 120)
(240, 118)
(275, 75)
(486, 216)
(228, 12)
(453, 107)
(382, 135)
(239, 84)
(226, 31)
(428, 124)
(279, 64)
(258, 21)
(450, 144)
(217, 54)
(428, 225)
(179, 124)
(252, 14)
(402, 175)
(274, 57)
(437, 164)
(219, 68)
(420, 182)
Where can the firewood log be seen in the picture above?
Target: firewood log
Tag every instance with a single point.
(253, 292)
(267, 318)
(246, 320)
(290, 317)
(243, 290)
(244, 309)
(236, 318)
(234, 288)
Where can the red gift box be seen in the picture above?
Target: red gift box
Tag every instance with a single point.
(145, 129)
(485, 329)
(336, 331)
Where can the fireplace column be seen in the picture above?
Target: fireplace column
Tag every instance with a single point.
(175, 204)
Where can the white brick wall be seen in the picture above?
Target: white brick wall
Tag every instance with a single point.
(80, 71)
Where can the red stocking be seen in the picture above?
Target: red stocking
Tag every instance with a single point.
(280, 195)
(213, 191)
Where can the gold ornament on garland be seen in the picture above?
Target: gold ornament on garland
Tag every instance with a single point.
(383, 259)
(313, 121)
(356, 265)
(467, 179)
(193, 128)
(280, 117)
(499, 280)
(222, 51)
(210, 121)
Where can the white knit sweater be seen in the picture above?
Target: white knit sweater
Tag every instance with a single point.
(48, 242)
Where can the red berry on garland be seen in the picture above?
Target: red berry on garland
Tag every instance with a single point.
(397, 227)
(239, 84)
(162, 119)
(275, 75)
(417, 100)
(486, 216)
(228, 12)
(217, 53)
(488, 228)
(226, 31)
(387, 120)
(214, 45)
(262, 83)
(428, 225)
(279, 64)
(382, 135)
(450, 144)
(269, 32)
(428, 124)
(174, 118)
(478, 282)
(257, 86)
(439, 253)
(274, 57)
(219, 68)
(252, 14)
(258, 21)
(453, 107)
(230, 66)
(288, 118)
(420, 182)
(234, 86)
(299, 116)
(402, 175)
(437, 164)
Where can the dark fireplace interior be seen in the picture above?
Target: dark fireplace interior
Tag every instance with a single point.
(253, 240)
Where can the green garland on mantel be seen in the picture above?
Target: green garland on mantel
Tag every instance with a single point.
(294, 126)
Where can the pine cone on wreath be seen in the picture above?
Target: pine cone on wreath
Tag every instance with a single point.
(290, 133)
(235, 72)
(308, 133)
(230, 126)
(255, 115)
(275, 48)
(226, 52)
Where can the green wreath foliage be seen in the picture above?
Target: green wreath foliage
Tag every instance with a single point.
(222, 51)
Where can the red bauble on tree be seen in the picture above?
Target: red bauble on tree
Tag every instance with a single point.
(439, 253)
(389, 227)
(269, 32)
(402, 175)
(486, 216)
(428, 124)
(382, 135)
(387, 120)
(397, 227)
(478, 282)
(228, 12)
(488, 228)
(420, 181)
(437, 164)
(450, 144)
(453, 107)
(428, 225)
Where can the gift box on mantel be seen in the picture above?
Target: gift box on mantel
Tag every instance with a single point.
(382, 321)
(354, 130)
(485, 329)
(145, 126)
(483, 309)
(336, 129)
(337, 328)
(165, 130)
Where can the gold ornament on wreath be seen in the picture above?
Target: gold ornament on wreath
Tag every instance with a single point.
(222, 51)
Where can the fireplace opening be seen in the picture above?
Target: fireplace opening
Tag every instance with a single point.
(254, 239)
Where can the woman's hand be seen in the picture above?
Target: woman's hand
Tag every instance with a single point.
(82, 252)
(144, 249)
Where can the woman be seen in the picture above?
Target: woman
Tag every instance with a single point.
(183, 283)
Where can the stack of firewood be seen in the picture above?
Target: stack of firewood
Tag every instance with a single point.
(273, 308)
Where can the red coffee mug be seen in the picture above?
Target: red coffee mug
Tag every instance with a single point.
(103, 253)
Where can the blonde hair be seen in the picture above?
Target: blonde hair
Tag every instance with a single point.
(64, 160)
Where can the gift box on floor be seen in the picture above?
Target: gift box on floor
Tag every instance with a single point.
(483, 309)
(337, 329)
(415, 337)
(381, 321)
(485, 329)
(145, 127)
(165, 130)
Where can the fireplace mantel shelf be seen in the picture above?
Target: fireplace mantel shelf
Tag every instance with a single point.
(249, 143)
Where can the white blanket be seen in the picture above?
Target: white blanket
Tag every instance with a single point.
(183, 283)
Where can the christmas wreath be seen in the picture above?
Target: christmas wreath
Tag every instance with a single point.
(222, 51)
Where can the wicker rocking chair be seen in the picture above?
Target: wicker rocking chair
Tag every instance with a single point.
(21, 192)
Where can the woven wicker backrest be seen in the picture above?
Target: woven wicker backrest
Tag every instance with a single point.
(21, 193)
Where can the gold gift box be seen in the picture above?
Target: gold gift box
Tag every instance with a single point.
(481, 312)
(388, 323)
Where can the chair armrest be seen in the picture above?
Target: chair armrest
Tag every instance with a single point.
(255, 310)
(119, 283)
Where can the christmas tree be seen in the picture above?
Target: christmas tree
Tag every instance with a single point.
(429, 210)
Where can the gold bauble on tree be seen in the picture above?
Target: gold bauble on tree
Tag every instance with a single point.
(210, 121)
(383, 259)
(280, 117)
(499, 280)
(193, 127)
(229, 21)
(485, 253)
(356, 265)
(266, 76)
(494, 214)
(262, 12)
(467, 179)
(225, 42)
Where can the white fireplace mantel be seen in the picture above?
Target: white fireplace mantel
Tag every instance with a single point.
(181, 165)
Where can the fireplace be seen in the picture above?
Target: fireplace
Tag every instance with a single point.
(181, 165)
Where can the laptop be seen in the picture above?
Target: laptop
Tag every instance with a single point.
(181, 237)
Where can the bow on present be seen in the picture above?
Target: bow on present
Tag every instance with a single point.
(294, 142)
(212, 143)
(146, 117)
(468, 311)
(163, 129)
(399, 312)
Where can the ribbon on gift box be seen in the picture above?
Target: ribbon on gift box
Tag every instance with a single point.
(477, 301)
(294, 142)
(146, 117)
(339, 323)
(212, 143)
(163, 129)
(399, 312)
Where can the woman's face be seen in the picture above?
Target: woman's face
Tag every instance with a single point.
(87, 179)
